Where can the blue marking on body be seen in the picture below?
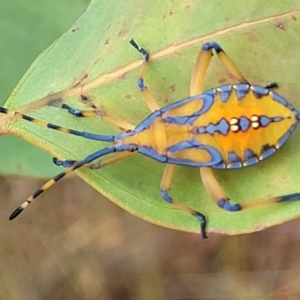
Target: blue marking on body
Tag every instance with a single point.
(241, 90)
(222, 127)
(216, 157)
(297, 116)
(148, 151)
(293, 127)
(290, 197)
(148, 121)
(211, 128)
(223, 203)
(277, 119)
(234, 161)
(232, 157)
(220, 166)
(283, 139)
(264, 121)
(225, 92)
(180, 146)
(259, 91)
(177, 120)
(192, 119)
(200, 129)
(189, 119)
(210, 92)
(278, 98)
(244, 123)
(166, 196)
(250, 158)
(236, 165)
(266, 151)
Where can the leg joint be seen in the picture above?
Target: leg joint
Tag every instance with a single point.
(224, 204)
(165, 195)
(212, 45)
(72, 111)
(141, 84)
(144, 53)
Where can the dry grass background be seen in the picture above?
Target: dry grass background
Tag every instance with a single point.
(74, 244)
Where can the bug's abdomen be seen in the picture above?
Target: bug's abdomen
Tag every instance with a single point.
(245, 124)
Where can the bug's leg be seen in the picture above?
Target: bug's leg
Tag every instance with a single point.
(216, 191)
(218, 195)
(89, 159)
(272, 85)
(164, 189)
(119, 156)
(149, 99)
(84, 134)
(104, 116)
(202, 63)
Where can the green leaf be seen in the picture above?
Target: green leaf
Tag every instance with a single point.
(94, 58)
(21, 41)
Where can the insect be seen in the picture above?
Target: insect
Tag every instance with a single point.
(227, 127)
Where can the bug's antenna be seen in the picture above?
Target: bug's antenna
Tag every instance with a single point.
(52, 181)
(87, 135)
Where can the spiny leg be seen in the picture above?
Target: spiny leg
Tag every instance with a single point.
(89, 159)
(149, 99)
(96, 112)
(218, 195)
(119, 156)
(84, 134)
(164, 190)
(202, 63)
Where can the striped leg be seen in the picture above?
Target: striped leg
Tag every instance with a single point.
(218, 195)
(89, 159)
(84, 134)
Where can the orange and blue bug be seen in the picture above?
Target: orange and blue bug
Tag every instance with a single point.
(227, 127)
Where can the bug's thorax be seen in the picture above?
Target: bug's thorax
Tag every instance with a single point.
(148, 135)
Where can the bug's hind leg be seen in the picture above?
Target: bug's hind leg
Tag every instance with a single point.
(202, 63)
(149, 99)
(164, 190)
(218, 195)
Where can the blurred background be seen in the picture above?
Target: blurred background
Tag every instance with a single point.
(78, 245)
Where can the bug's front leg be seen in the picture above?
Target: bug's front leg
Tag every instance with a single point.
(98, 113)
(148, 97)
(164, 190)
